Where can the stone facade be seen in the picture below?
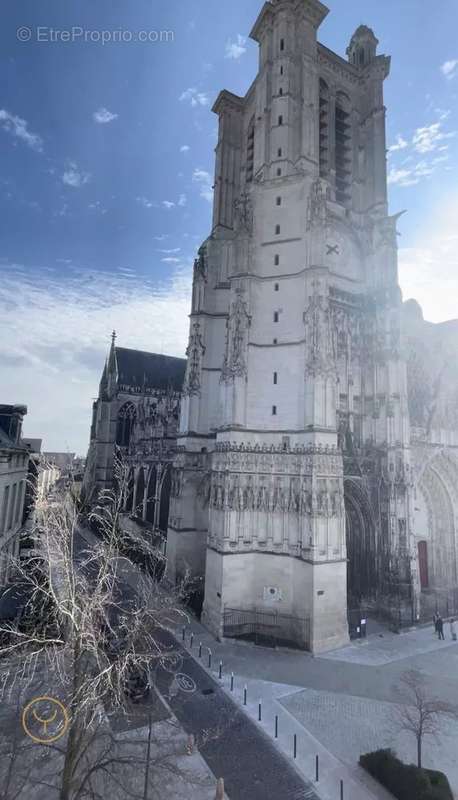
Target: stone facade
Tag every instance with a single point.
(14, 461)
(136, 413)
(310, 476)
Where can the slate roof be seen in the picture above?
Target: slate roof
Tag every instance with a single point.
(151, 370)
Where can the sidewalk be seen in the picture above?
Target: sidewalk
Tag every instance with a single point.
(358, 785)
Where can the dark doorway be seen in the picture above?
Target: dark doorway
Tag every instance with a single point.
(423, 564)
(165, 500)
(361, 544)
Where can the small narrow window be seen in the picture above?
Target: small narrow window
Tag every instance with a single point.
(275, 341)
(274, 411)
(282, 44)
(280, 92)
(280, 119)
(278, 172)
(277, 260)
(278, 201)
(275, 378)
(279, 152)
(281, 70)
(275, 316)
(277, 229)
(277, 287)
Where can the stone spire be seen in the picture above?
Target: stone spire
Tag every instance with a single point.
(363, 46)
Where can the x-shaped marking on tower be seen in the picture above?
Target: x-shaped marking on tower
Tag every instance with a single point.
(332, 249)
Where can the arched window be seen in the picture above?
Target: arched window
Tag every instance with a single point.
(150, 503)
(165, 499)
(139, 494)
(250, 152)
(343, 149)
(126, 422)
(324, 128)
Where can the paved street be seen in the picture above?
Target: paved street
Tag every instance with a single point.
(231, 744)
(341, 702)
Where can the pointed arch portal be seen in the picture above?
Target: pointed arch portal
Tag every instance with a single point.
(360, 524)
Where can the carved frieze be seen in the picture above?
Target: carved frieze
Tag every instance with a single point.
(276, 495)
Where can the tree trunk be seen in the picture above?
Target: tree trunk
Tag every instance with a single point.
(419, 751)
(69, 763)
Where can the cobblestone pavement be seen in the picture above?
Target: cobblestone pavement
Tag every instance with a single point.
(357, 686)
(349, 726)
(390, 647)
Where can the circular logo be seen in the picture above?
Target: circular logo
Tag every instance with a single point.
(185, 683)
(45, 719)
(24, 34)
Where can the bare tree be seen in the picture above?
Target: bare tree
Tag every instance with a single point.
(94, 627)
(421, 715)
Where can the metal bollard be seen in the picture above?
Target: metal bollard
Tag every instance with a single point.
(295, 745)
(341, 790)
(232, 681)
(200, 649)
(244, 696)
(191, 640)
(220, 670)
(259, 712)
(184, 632)
(276, 726)
(209, 658)
(317, 768)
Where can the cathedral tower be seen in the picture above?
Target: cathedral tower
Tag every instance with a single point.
(293, 356)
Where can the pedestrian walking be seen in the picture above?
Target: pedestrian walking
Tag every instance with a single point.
(453, 630)
(440, 627)
(435, 618)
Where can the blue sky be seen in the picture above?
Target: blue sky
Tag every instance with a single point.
(106, 155)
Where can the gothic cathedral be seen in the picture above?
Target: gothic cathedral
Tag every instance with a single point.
(316, 466)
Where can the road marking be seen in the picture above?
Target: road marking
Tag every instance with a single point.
(186, 683)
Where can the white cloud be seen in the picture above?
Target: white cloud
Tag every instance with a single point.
(427, 139)
(182, 200)
(204, 179)
(171, 260)
(172, 250)
(236, 49)
(168, 204)
(450, 68)
(184, 148)
(103, 116)
(403, 177)
(430, 141)
(400, 144)
(75, 177)
(143, 201)
(18, 128)
(60, 353)
(413, 175)
(195, 97)
(429, 268)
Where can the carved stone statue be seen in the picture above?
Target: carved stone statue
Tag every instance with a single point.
(195, 353)
(244, 213)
